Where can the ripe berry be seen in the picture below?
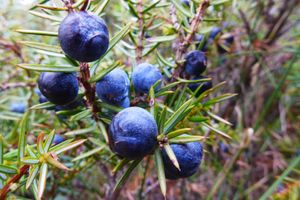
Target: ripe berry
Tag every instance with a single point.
(195, 63)
(229, 38)
(199, 40)
(42, 99)
(189, 158)
(18, 107)
(144, 76)
(223, 147)
(198, 37)
(58, 139)
(225, 43)
(59, 88)
(114, 88)
(214, 32)
(186, 2)
(125, 103)
(83, 36)
(132, 133)
(74, 104)
(204, 85)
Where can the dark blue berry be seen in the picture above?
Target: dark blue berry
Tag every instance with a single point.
(189, 157)
(199, 38)
(42, 99)
(58, 139)
(74, 104)
(83, 36)
(18, 107)
(225, 43)
(223, 147)
(125, 103)
(114, 88)
(58, 88)
(144, 76)
(204, 85)
(229, 38)
(185, 2)
(214, 32)
(195, 63)
(132, 133)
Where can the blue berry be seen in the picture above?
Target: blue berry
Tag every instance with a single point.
(189, 157)
(114, 88)
(223, 147)
(225, 43)
(185, 2)
(199, 39)
(229, 38)
(83, 36)
(42, 99)
(125, 103)
(144, 76)
(205, 85)
(132, 133)
(58, 139)
(58, 88)
(214, 32)
(74, 104)
(195, 63)
(18, 107)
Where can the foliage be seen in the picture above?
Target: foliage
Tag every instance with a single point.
(249, 132)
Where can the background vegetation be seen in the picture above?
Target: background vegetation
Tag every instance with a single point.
(261, 160)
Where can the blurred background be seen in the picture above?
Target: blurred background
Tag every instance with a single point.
(261, 65)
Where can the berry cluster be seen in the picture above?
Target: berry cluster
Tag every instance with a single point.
(224, 40)
(133, 131)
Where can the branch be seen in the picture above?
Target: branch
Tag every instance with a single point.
(68, 5)
(12, 46)
(7, 86)
(89, 89)
(10, 76)
(278, 22)
(274, 33)
(184, 45)
(140, 47)
(14, 179)
(195, 24)
(86, 3)
(247, 25)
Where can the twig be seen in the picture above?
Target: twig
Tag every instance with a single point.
(247, 25)
(68, 5)
(139, 99)
(10, 76)
(7, 86)
(85, 4)
(278, 22)
(89, 89)
(14, 47)
(183, 46)
(140, 47)
(287, 28)
(273, 35)
(195, 24)
(14, 179)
